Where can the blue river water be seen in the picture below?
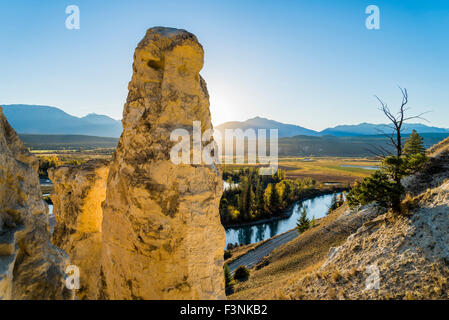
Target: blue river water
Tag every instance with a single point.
(316, 207)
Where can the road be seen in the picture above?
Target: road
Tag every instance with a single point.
(253, 257)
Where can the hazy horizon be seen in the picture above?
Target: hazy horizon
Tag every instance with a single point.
(253, 117)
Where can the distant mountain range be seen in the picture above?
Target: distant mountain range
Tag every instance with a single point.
(284, 130)
(368, 129)
(349, 146)
(32, 119)
(44, 128)
(290, 130)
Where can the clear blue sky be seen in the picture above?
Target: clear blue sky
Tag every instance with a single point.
(311, 63)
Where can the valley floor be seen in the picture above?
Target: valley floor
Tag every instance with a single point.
(330, 170)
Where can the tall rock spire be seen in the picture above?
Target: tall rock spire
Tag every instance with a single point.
(162, 236)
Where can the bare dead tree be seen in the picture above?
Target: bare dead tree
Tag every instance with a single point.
(377, 151)
(394, 165)
(398, 120)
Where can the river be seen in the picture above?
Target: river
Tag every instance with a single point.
(362, 167)
(316, 207)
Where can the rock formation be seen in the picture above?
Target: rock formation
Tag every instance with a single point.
(79, 193)
(30, 266)
(162, 237)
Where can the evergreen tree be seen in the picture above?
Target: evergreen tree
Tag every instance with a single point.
(303, 222)
(274, 199)
(414, 145)
(224, 210)
(251, 210)
(241, 273)
(244, 200)
(284, 192)
(313, 222)
(229, 279)
(266, 198)
(271, 198)
(259, 205)
(377, 187)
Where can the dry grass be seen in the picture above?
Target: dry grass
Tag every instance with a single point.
(294, 260)
(242, 250)
(438, 148)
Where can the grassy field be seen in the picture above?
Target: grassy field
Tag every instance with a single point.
(323, 170)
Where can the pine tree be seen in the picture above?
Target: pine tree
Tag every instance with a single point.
(303, 222)
(414, 145)
(274, 199)
(244, 199)
(259, 198)
(251, 203)
(229, 279)
(286, 192)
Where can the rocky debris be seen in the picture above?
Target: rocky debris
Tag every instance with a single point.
(390, 257)
(79, 193)
(162, 236)
(30, 266)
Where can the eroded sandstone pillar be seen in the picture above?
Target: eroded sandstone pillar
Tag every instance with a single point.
(30, 266)
(79, 193)
(162, 236)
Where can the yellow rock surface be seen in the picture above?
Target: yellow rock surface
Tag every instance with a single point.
(79, 193)
(30, 266)
(162, 236)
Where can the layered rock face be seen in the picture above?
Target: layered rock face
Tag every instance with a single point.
(30, 266)
(79, 193)
(162, 237)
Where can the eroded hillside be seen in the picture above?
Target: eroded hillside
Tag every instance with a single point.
(389, 257)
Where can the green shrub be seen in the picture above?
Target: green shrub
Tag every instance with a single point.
(227, 254)
(242, 273)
